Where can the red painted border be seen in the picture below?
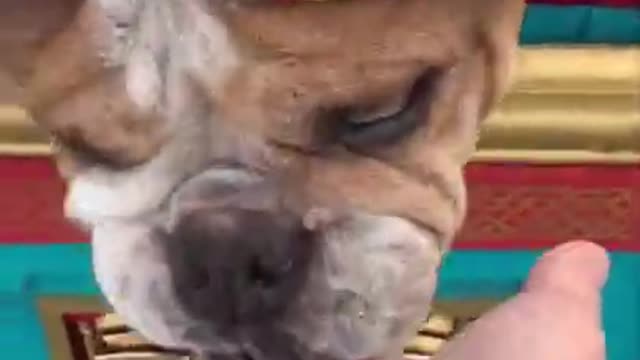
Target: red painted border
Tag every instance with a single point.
(31, 198)
(575, 176)
(27, 168)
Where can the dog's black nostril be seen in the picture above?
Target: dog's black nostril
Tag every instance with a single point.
(200, 278)
(247, 356)
(238, 266)
(276, 249)
(260, 275)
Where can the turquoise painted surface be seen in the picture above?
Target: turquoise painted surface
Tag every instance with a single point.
(28, 272)
(544, 24)
(32, 271)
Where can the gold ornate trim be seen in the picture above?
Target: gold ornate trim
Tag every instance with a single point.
(555, 157)
(51, 310)
(19, 136)
(18, 149)
(568, 105)
(597, 69)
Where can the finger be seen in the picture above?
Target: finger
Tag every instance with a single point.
(555, 317)
(577, 269)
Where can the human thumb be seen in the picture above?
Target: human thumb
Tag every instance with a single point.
(576, 269)
(555, 317)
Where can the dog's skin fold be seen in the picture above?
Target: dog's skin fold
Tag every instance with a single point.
(264, 181)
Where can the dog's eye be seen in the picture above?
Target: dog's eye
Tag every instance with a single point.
(356, 128)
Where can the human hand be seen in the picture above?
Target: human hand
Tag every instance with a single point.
(556, 316)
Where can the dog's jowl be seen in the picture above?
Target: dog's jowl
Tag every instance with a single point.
(265, 180)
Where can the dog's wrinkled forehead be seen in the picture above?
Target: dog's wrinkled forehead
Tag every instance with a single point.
(344, 97)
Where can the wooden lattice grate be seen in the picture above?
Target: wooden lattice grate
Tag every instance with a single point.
(108, 338)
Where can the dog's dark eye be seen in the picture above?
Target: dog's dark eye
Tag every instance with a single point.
(352, 127)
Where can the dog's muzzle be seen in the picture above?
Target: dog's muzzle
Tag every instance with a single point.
(236, 253)
(235, 269)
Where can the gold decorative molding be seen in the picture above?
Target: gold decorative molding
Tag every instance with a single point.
(563, 127)
(51, 312)
(568, 105)
(19, 135)
(587, 70)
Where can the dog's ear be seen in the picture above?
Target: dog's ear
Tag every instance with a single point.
(62, 54)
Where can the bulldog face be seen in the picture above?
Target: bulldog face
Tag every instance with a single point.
(271, 181)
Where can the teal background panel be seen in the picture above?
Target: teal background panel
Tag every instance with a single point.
(555, 24)
(499, 274)
(29, 272)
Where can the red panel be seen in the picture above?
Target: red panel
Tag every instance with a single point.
(31, 200)
(589, 176)
(524, 206)
(510, 206)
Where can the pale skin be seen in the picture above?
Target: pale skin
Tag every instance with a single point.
(556, 316)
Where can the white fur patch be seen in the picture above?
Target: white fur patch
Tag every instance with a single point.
(99, 195)
(144, 85)
(137, 282)
(158, 42)
(367, 293)
(369, 289)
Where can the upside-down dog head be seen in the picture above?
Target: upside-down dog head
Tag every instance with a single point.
(267, 180)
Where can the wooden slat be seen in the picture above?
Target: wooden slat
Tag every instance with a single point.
(427, 345)
(117, 342)
(111, 323)
(124, 340)
(438, 324)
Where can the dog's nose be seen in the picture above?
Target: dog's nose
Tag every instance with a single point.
(237, 267)
(238, 263)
